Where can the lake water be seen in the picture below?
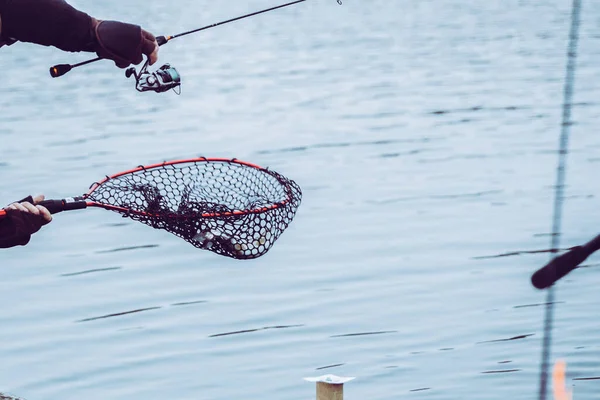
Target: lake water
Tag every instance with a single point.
(424, 137)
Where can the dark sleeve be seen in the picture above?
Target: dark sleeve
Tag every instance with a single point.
(17, 227)
(47, 22)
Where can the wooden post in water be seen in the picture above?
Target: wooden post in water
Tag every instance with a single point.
(330, 391)
(330, 387)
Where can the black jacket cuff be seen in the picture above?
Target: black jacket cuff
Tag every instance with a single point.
(48, 23)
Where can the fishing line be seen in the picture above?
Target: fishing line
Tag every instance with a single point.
(559, 188)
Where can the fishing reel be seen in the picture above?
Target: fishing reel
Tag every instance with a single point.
(163, 79)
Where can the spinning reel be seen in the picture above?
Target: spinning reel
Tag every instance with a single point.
(163, 79)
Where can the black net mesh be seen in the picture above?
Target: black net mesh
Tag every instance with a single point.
(227, 207)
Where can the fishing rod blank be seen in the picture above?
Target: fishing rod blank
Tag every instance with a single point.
(61, 69)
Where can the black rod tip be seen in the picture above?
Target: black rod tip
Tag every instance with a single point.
(560, 266)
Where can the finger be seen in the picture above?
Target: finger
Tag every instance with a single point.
(45, 214)
(154, 55)
(31, 208)
(147, 36)
(149, 46)
(38, 199)
(17, 207)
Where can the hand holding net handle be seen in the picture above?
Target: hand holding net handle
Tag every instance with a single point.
(56, 206)
(227, 206)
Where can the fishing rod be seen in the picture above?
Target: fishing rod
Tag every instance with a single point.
(166, 77)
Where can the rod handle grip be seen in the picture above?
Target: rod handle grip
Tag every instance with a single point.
(60, 70)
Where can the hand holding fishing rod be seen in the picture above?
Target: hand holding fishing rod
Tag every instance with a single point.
(166, 77)
(560, 266)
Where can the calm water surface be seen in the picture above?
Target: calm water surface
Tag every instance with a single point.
(424, 136)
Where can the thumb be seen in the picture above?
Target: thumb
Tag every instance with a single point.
(149, 46)
(38, 199)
